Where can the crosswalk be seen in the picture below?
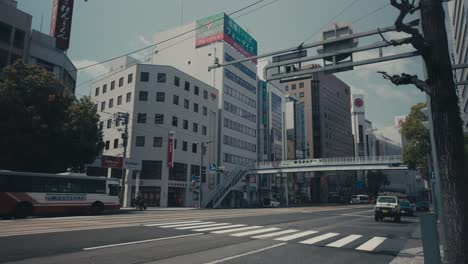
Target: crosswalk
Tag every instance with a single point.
(304, 237)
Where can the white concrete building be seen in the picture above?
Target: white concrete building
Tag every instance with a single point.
(160, 100)
(358, 124)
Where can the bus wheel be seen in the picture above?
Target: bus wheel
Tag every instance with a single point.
(23, 210)
(96, 208)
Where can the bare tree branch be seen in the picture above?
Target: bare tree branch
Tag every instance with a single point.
(405, 79)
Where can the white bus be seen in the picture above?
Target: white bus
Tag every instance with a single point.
(25, 194)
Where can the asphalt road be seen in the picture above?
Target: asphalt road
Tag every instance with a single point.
(332, 234)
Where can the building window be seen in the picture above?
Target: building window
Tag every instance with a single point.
(144, 76)
(140, 141)
(203, 150)
(293, 86)
(160, 96)
(103, 106)
(178, 172)
(175, 99)
(119, 100)
(143, 96)
(174, 121)
(159, 118)
(195, 107)
(184, 145)
(112, 85)
(111, 102)
(204, 130)
(161, 78)
(301, 94)
(129, 97)
(205, 111)
(301, 85)
(101, 125)
(96, 93)
(107, 144)
(185, 124)
(194, 147)
(195, 127)
(141, 118)
(205, 94)
(157, 142)
(186, 104)
(176, 81)
(187, 86)
(104, 88)
(109, 123)
(196, 90)
(130, 78)
(117, 122)
(286, 88)
(151, 169)
(116, 143)
(175, 143)
(121, 82)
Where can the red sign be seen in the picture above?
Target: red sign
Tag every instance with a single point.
(170, 150)
(111, 162)
(60, 27)
(358, 102)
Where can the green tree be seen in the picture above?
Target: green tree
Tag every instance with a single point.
(418, 148)
(42, 125)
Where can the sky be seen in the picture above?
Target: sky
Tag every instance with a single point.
(104, 29)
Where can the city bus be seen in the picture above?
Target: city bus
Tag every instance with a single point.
(24, 194)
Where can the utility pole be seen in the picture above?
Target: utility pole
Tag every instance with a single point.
(202, 145)
(121, 116)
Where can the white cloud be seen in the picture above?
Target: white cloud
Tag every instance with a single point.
(390, 132)
(393, 92)
(94, 71)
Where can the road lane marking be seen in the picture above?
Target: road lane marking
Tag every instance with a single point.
(201, 226)
(235, 229)
(294, 236)
(318, 238)
(371, 244)
(344, 241)
(181, 225)
(254, 232)
(367, 216)
(173, 223)
(276, 233)
(217, 228)
(245, 254)
(141, 241)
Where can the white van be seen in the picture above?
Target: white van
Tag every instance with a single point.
(359, 199)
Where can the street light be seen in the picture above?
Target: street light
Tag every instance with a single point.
(203, 143)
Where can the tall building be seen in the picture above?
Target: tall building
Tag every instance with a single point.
(359, 125)
(326, 101)
(219, 37)
(168, 109)
(459, 26)
(295, 129)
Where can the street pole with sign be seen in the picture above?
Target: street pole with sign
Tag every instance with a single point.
(202, 145)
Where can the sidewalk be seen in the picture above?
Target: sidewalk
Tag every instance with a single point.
(162, 208)
(409, 256)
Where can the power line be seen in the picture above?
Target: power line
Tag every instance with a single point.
(370, 13)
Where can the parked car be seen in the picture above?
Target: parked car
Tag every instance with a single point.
(270, 203)
(387, 206)
(406, 207)
(359, 199)
(423, 206)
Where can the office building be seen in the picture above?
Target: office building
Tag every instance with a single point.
(295, 129)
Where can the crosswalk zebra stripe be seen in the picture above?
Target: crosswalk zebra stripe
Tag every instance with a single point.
(276, 233)
(191, 224)
(201, 226)
(344, 241)
(254, 232)
(173, 223)
(294, 236)
(235, 229)
(371, 244)
(217, 228)
(318, 238)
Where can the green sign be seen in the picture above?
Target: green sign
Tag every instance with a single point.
(209, 29)
(240, 37)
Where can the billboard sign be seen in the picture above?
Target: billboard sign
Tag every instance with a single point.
(130, 164)
(170, 150)
(111, 162)
(60, 27)
(209, 30)
(358, 103)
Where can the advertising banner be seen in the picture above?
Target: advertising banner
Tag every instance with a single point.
(61, 22)
(170, 150)
(111, 162)
(209, 30)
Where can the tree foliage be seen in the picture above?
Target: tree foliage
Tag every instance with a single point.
(418, 148)
(43, 127)
(375, 181)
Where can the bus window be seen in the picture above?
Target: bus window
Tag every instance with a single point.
(3, 183)
(113, 189)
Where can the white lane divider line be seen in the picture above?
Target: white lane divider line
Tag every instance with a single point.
(276, 233)
(318, 238)
(201, 226)
(173, 223)
(254, 232)
(217, 228)
(181, 225)
(141, 241)
(245, 254)
(371, 244)
(235, 229)
(294, 236)
(344, 241)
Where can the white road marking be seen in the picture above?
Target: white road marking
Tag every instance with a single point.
(371, 244)
(235, 229)
(318, 238)
(201, 226)
(276, 233)
(367, 216)
(254, 232)
(181, 225)
(344, 241)
(141, 241)
(294, 236)
(217, 228)
(245, 254)
(173, 223)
